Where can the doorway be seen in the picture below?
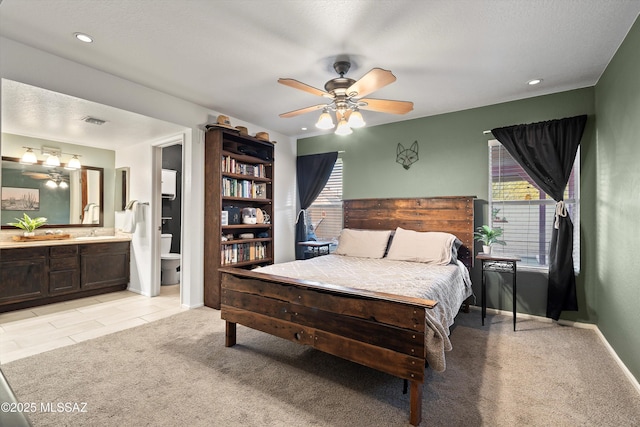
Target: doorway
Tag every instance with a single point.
(168, 202)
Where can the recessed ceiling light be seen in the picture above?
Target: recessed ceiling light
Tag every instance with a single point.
(534, 82)
(83, 37)
(303, 128)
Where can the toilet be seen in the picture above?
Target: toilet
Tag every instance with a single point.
(170, 262)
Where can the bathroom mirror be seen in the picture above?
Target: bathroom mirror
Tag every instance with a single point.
(67, 198)
(121, 188)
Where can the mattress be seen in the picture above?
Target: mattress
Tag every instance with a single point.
(449, 285)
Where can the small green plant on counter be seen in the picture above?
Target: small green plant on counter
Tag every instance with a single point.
(29, 224)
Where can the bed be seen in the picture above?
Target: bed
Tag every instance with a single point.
(370, 321)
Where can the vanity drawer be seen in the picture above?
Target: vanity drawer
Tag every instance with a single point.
(67, 263)
(63, 251)
(14, 254)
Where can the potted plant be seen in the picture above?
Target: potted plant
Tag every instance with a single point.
(29, 224)
(488, 236)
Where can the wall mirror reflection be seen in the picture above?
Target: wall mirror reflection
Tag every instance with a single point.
(65, 197)
(121, 188)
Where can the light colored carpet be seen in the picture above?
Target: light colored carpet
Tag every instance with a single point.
(176, 371)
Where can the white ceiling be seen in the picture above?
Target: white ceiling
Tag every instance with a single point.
(227, 55)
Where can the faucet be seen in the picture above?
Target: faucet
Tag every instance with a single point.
(93, 232)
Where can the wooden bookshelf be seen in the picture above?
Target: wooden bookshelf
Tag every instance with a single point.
(239, 173)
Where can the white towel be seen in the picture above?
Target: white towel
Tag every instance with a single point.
(130, 217)
(91, 214)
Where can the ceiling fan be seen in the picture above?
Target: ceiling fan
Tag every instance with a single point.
(347, 98)
(54, 178)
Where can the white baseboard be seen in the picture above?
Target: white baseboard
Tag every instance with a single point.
(612, 352)
(191, 307)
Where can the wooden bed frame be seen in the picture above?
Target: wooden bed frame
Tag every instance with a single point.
(378, 330)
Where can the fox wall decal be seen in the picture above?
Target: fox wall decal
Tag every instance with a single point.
(407, 156)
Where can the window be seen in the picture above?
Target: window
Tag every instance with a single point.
(526, 213)
(325, 213)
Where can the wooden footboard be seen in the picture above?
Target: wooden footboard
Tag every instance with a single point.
(384, 332)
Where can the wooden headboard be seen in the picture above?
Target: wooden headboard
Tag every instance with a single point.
(450, 214)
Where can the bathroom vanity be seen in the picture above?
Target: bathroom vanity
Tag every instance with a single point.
(37, 273)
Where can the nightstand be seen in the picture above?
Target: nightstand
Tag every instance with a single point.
(499, 264)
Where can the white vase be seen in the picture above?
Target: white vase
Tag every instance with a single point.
(29, 233)
(486, 249)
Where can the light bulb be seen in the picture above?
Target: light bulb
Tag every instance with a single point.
(29, 157)
(356, 120)
(325, 121)
(52, 161)
(73, 164)
(343, 128)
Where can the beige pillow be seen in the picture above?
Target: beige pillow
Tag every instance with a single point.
(362, 243)
(430, 247)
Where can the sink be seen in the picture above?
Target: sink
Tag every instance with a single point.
(95, 237)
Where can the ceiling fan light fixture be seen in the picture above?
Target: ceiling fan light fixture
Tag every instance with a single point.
(51, 184)
(343, 128)
(63, 184)
(29, 157)
(356, 120)
(325, 121)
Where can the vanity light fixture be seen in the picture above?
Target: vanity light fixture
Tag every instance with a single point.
(29, 157)
(83, 37)
(53, 158)
(73, 163)
(52, 161)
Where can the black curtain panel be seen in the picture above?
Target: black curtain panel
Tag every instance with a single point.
(547, 150)
(313, 173)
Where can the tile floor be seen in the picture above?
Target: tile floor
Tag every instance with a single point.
(35, 330)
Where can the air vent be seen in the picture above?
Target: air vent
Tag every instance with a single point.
(93, 120)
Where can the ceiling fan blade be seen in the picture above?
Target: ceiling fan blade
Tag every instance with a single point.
(304, 87)
(375, 79)
(385, 106)
(37, 175)
(303, 111)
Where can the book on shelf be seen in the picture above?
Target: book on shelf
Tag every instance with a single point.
(241, 252)
(231, 165)
(232, 187)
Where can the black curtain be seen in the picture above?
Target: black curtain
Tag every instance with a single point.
(547, 150)
(313, 172)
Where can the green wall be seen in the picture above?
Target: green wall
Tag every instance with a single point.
(453, 160)
(616, 280)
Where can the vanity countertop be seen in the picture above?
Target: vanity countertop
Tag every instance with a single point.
(70, 241)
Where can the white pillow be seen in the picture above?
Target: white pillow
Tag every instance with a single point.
(362, 243)
(431, 247)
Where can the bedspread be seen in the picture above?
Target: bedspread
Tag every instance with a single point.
(449, 285)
